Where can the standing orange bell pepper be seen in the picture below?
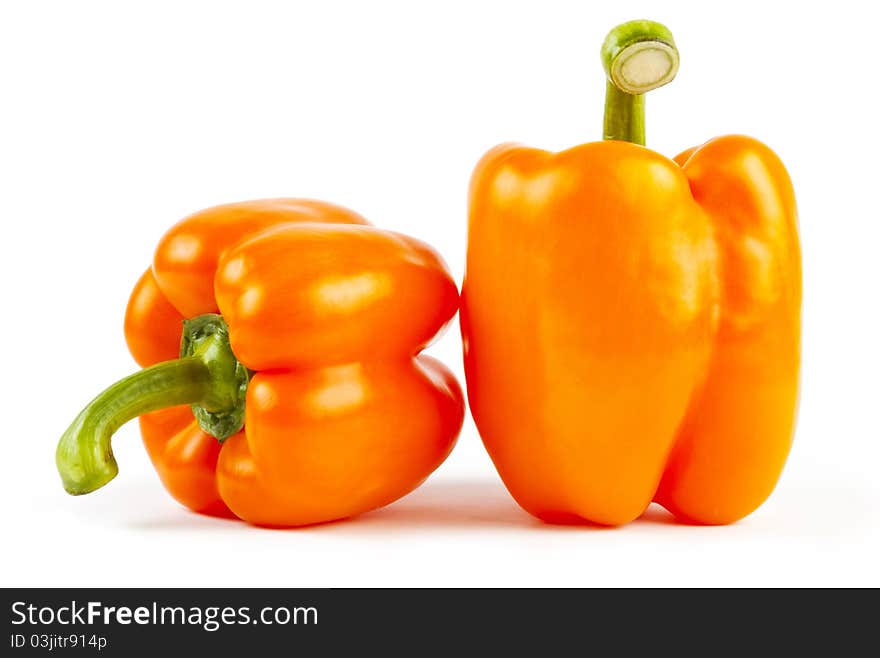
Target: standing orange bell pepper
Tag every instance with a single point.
(298, 396)
(631, 323)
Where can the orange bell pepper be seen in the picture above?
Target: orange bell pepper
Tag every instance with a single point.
(309, 400)
(631, 323)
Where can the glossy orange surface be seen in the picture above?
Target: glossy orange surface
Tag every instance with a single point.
(308, 295)
(326, 443)
(186, 258)
(342, 415)
(631, 327)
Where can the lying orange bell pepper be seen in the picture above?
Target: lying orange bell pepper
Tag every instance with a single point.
(631, 323)
(301, 331)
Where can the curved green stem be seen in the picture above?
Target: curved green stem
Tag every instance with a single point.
(638, 56)
(207, 376)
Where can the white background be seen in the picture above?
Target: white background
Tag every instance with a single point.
(117, 121)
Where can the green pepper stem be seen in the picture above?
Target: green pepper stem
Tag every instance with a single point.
(84, 457)
(624, 115)
(638, 56)
(207, 376)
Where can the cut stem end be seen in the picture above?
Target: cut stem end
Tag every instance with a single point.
(638, 56)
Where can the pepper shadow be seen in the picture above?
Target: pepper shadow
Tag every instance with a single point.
(443, 505)
(468, 504)
(438, 505)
